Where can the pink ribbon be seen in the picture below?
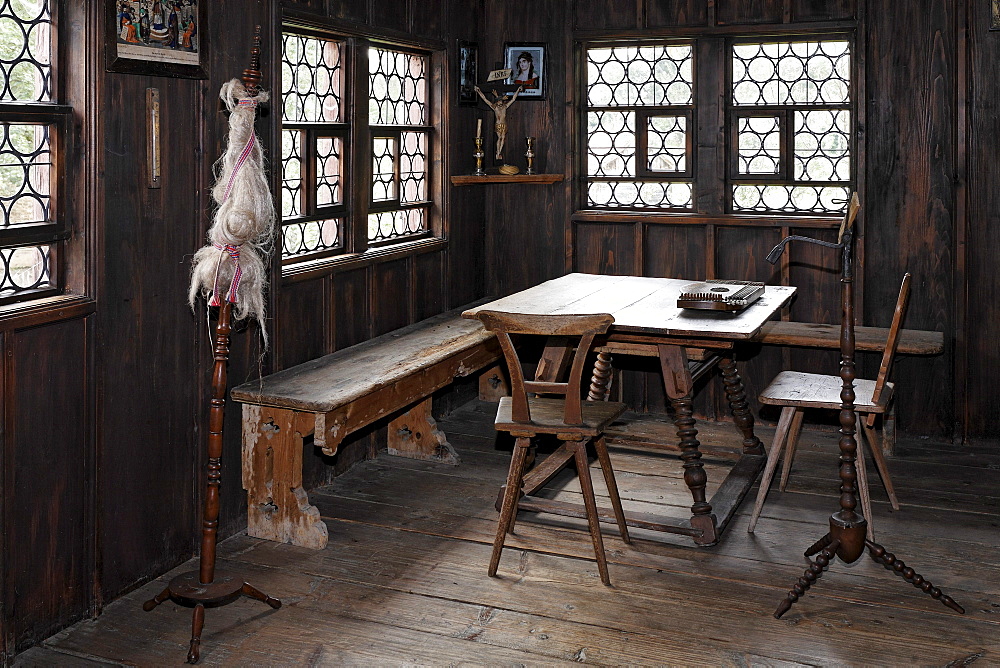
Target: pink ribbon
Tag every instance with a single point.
(234, 255)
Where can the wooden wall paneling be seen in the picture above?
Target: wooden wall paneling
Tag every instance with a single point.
(671, 13)
(982, 321)
(149, 350)
(428, 285)
(605, 14)
(525, 226)
(674, 251)
(427, 18)
(48, 559)
(824, 10)
(352, 319)
(348, 10)
(391, 14)
(749, 12)
(606, 248)
(319, 6)
(909, 216)
(305, 317)
(390, 296)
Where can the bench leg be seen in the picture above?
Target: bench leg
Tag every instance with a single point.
(493, 384)
(278, 508)
(414, 434)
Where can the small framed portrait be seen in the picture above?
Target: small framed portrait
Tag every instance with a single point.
(527, 63)
(468, 72)
(994, 14)
(156, 37)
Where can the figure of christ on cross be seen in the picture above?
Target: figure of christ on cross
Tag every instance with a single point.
(499, 106)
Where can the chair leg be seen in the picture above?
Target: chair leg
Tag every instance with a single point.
(791, 442)
(511, 495)
(880, 463)
(784, 422)
(609, 478)
(587, 487)
(862, 469)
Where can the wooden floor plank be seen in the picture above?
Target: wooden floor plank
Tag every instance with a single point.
(403, 582)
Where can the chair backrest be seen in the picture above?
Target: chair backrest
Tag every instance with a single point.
(893, 341)
(585, 327)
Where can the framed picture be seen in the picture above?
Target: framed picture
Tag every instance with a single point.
(156, 37)
(468, 72)
(994, 14)
(527, 62)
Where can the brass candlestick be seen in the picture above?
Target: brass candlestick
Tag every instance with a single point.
(530, 155)
(479, 155)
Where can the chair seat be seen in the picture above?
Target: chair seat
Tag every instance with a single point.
(814, 390)
(547, 417)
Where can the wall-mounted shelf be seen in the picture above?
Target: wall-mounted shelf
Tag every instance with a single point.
(470, 179)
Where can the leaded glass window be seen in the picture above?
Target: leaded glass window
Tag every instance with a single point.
(397, 116)
(791, 109)
(32, 230)
(313, 134)
(640, 105)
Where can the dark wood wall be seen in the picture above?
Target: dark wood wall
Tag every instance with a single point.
(104, 398)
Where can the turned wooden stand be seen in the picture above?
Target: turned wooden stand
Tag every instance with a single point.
(209, 588)
(847, 536)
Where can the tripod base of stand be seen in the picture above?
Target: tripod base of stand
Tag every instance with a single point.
(828, 547)
(187, 589)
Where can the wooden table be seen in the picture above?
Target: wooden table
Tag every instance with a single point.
(688, 343)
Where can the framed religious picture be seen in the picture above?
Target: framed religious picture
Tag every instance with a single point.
(994, 14)
(468, 72)
(527, 62)
(156, 37)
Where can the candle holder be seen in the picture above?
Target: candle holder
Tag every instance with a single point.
(479, 155)
(530, 155)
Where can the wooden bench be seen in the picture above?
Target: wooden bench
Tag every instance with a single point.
(816, 335)
(335, 395)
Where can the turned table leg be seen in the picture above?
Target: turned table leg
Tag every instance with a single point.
(679, 385)
(737, 396)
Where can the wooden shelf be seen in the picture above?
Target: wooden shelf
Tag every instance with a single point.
(470, 179)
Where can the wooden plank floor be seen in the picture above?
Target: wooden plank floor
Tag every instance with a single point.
(403, 580)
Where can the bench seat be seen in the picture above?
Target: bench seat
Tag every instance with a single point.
(391, 376)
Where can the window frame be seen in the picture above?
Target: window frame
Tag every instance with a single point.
(713, 171)
(357, 159)
(54, 232)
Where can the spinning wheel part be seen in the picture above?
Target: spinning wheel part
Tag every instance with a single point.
(846, 538)
(208, 588)
(187, 589)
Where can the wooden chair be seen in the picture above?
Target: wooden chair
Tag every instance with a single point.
(795, 391)
(572, 420)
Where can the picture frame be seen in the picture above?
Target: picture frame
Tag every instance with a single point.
(994, 14)
(528, 65)
(156, 37)
(468, 72)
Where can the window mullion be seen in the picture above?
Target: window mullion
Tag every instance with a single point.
(710, 90)
(360, 168)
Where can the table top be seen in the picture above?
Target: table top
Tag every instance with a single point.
(640, 305)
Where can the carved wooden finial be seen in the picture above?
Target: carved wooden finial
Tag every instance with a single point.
(252, 75)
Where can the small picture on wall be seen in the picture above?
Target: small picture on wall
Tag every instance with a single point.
(468, 72)
(995, 14)
(527, 60)
(156, 37)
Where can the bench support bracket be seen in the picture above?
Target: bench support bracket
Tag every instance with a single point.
(278, 508)
(415, 434)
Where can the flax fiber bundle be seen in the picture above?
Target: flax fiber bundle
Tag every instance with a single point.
(233, 265)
